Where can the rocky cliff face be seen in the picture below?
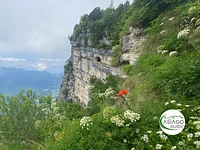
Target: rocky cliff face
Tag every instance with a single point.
(88, 62)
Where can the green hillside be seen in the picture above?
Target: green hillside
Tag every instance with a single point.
(123, 114)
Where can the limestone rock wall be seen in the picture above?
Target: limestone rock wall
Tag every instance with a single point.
(88, 62)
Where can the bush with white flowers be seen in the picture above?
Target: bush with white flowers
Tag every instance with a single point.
(86, 122)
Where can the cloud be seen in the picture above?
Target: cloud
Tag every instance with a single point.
(40, 66)
(12, 59)
(34, 29)
(50, 60)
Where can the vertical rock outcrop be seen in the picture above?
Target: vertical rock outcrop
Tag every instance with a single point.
(88, 62)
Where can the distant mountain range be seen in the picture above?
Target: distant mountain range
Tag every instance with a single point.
(12, 80)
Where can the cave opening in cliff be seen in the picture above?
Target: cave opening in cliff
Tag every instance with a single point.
(97, 59)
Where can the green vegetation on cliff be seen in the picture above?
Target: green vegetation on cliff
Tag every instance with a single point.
(122, 113)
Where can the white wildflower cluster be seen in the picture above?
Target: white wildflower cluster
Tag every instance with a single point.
(173, 101)
(173, 147)
(167, 103)
(158, 146)
(145, 138)
(178, 104)
(109, 92)
(118, 121)
(160, 49)
(197, 143)
(149, 131)
(159, 132)
(125, 140)
(183, 33)
(194, 118)
(164, 137)
(197, 134)
(190, 136)
(161, 135)
(85, 122)
(173, 53)
(197, 124)
(181, 143)
(192, 9)
(132, 116)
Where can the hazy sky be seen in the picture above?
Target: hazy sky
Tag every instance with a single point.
(34, 33)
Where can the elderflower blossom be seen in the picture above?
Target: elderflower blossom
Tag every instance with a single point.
(197, 143)
(197, 134)
(173, 101)
(149, 131)
(118, 121)
(183, 33)
(167, 103)
(194, 118)
(197, 123)
(173, 147)
(189, 136)
(158, 146)
(180, 143)
(86, 122)
(164, 137)
(173, 53)
(178, 104)
(145, 138)
(132, 116)
(187, 105)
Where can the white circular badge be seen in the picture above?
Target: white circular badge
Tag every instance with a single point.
(172, 122)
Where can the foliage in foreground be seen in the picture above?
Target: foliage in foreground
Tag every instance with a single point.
(122, 114)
